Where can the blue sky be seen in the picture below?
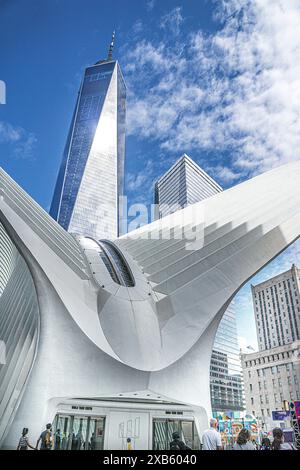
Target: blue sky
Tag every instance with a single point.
(218, 80)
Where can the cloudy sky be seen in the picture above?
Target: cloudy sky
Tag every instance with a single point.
(218, 80)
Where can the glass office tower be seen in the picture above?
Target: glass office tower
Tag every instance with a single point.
(91, 176)
(226, 386)
(183, 184)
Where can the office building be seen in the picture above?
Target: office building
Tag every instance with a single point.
(270, 377)
(226, 385)
(277, 309)
(91, 176)
(185, 183)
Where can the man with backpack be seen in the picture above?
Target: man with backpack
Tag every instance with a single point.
(177, 444)
(46, 438)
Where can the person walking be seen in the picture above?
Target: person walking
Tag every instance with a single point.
(57, 440)
(46, 438)
(177, 443)
(243, 441)
(129, 443)
(211, 438)
(24, 441)
(278, 441)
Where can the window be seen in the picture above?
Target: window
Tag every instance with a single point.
(116, 264)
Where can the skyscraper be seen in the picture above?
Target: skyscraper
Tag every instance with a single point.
(225, 369)
(277, 309)
(91, 175)
(183, 184)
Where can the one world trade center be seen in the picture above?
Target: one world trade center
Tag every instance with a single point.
(91, 176)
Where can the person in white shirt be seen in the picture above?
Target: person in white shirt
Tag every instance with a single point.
(211, 438)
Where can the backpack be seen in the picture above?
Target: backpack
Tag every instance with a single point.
(174, 446)
(23, 443)
(46, 439)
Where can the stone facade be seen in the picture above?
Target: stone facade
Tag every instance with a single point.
(270, 377)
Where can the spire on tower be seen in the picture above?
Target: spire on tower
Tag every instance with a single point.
(110, 50)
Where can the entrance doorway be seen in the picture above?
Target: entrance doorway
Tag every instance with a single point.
(73, 432)
(163, 429)
(124, 426)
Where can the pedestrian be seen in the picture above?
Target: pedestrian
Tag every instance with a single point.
(265, 444)
(24, 441)
(243, 441)
(177, 443)
(211, 438)
(93, 442)
(278, 441)
(129, 444)
(46, 438)
(57, 440)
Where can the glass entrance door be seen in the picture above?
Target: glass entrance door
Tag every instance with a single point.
(73, 432)
(96, 434)
(163, 429)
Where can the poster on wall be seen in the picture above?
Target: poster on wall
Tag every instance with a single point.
(297, 408)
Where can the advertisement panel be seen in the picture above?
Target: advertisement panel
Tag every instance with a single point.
(297, 408)
(280, 415)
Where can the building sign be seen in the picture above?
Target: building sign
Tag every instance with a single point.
(280, 415)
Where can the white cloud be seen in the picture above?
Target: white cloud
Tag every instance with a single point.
(223, 173)
(137, 27)
(150, 5)
(136, 180)
(237, 90)
(9, 133)
(21, 142)
(172, 21)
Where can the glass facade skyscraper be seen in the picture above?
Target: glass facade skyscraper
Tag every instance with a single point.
(91, 176)
(226, 385)
(183, 184)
